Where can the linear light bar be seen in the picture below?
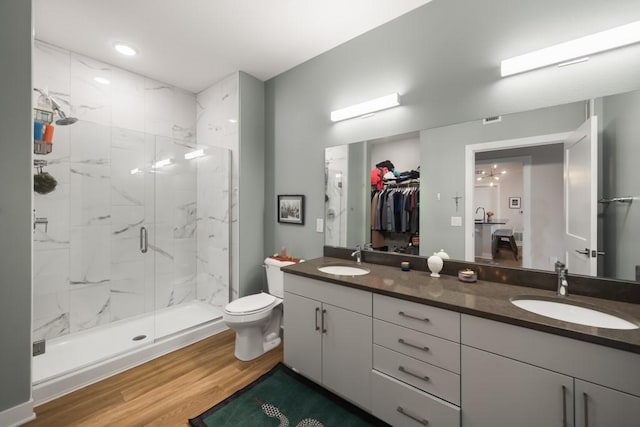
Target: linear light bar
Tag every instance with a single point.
(367, 107)
(161, 163)
(194, 154)
(574, 49)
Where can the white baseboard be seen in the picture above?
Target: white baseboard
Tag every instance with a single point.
(17, 415)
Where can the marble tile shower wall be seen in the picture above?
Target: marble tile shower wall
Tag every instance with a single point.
(88, 268)
(217, 126)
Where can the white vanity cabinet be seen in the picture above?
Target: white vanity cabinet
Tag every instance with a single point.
(328, 335)
(517, 376)
(497, 391)
(598, 406)
(416, 362)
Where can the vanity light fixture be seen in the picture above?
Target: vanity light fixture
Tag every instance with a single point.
(573, 51)
(125, 49)
(194, 154)
(366, 108)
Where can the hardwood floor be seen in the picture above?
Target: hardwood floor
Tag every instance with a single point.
(164, 392)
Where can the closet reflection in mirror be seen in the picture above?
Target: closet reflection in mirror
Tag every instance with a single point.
(372, 191)
(447, 188)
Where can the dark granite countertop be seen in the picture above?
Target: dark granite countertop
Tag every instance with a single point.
(486, 299)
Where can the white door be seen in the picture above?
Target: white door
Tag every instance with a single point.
(580, 199)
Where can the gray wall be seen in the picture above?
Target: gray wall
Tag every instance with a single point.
(443, 163)
(251, 184)
(621, 153)
(16, 188)
(443, 59)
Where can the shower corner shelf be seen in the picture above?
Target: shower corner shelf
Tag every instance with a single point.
(42, 147)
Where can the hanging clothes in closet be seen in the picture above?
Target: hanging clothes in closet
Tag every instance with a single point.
(396, 209)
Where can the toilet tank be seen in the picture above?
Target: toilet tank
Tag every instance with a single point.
(275, 276)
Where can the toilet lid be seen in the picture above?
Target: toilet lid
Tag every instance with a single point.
(250, 303)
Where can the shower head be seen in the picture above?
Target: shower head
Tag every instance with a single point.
(64, 119)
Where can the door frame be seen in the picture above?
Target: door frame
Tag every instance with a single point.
(470, 162)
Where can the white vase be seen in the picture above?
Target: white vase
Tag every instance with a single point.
(442, 254)
(435, 264)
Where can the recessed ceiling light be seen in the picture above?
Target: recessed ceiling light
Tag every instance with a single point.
(102, 80)
(125, 49)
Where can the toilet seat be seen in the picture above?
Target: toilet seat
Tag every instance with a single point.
(251, 304)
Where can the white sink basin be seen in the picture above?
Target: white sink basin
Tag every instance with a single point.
(343, 270)
(569, 311)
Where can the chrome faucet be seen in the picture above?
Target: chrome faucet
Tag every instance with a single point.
(563, 285)
(358, 254)
(484, 213)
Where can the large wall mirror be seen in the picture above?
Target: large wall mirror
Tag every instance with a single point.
(525, 190)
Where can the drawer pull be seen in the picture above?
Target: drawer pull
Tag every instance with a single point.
(413, 417)
(419, 347)
(410, 316)
(413, 374)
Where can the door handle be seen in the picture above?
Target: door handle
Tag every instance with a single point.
(324, 330)
(585, 396)
(564, 406)
(143, 240)
(584, 252)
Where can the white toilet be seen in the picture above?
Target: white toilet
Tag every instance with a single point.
(257, 318)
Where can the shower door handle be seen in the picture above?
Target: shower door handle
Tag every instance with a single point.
(143, 240)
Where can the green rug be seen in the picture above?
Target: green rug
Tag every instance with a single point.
(283, 398)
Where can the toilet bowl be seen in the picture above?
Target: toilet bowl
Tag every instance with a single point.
(257, 319)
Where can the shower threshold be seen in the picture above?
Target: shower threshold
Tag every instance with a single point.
(76, 360)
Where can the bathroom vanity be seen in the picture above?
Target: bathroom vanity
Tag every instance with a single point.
(416, 350)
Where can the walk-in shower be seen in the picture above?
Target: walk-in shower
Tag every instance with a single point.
(134, 258)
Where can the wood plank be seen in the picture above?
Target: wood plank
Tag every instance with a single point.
(163, 392)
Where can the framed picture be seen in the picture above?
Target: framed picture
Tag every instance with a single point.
(514, 203)
(291, 209)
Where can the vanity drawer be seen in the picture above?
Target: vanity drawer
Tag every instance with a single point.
(423, 318)
(425, 347)
(340, 296)
(426, 377)
(401, 405)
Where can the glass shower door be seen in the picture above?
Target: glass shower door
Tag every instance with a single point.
(190, 235)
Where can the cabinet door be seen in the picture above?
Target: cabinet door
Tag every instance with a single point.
(347, 354)
(497, 392)
(598, 406)
(302, 336)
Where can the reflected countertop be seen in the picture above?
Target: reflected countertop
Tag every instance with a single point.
(492, 222)
(483, 298)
